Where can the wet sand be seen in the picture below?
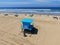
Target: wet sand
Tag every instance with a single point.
(48, 31)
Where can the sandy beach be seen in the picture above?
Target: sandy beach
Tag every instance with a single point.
(48, 30)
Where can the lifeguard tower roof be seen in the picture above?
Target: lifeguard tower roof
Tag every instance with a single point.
(27, 20)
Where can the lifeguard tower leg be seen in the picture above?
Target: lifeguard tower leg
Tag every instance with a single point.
(24, 32)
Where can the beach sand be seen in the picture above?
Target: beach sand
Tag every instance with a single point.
(48, 30)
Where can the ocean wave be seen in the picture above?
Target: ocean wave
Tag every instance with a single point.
(32, 11)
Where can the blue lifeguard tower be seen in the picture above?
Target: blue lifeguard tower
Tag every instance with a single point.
(26, 24)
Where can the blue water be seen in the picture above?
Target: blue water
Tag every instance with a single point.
(29, 7)
(32, 10)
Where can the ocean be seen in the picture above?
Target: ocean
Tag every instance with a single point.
(32, 10)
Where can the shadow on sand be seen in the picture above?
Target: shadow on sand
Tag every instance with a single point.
(33, 31)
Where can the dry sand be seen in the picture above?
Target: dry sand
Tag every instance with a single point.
(48, 31)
